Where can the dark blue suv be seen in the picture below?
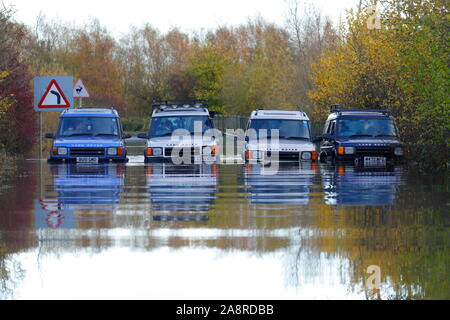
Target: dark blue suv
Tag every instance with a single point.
(364, 137)
(89, 136)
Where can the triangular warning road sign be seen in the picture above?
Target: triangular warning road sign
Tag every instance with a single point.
(53, 97)
(79, 91)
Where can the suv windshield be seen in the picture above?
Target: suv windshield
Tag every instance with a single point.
(366, 127)
(88, 126)
(288, 129)
(164, 126)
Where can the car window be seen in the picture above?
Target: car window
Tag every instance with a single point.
(164, 126)
(326, 127)
(331, 127)
(286, 128)
(366, 127)
(71, 126)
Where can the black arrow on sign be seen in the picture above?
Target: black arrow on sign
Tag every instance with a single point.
(58, 96)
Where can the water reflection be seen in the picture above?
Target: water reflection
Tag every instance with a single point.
(77, 187)
(181, 188)
(88, 186)
(283, 184)
(315, 230)
(350, 185)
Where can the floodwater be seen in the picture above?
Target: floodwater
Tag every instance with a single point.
(228, 231)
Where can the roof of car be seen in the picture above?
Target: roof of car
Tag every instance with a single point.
(279, 114)
(337, 111)
(358, 113)
(98, 112)
(168, 109)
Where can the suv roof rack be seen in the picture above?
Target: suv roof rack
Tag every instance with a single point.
(335, 108)
(162, 105)
(89, 110)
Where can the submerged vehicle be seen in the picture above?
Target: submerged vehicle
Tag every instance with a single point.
(181, 132)
(279, 135)
(89, 135)
(364, 137)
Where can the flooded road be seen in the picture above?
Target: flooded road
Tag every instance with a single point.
(159, 231)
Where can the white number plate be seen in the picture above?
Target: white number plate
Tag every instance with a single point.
(200, 159)
(209, 158)
(87, 159)
(374, 161)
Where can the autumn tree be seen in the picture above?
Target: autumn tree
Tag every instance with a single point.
(93, 58)
(311, 33)
(402, 63)
(17, 118)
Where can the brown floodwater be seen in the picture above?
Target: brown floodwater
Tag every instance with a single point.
(228, 231)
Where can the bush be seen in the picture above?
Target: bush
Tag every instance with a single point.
(134, 125)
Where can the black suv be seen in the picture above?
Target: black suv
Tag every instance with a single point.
(365, 137)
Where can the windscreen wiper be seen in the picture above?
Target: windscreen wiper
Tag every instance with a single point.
(361, 135)
(295, 138)
(80, 134)
(105, 134)
(385, 135)
(162, 135)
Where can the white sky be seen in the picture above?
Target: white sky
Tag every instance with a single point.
(188, 15)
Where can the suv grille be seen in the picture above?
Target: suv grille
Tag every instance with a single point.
(373, 150)
(87, 152)
(192, 151)
(285, 155)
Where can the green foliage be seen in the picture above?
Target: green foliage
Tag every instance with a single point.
(133, 125)
(403, 65)
(206, 67)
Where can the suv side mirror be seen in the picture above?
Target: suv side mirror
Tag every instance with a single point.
(142, 136)
(50, 136)
(126, 136)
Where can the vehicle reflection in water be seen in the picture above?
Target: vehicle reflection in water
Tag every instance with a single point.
(79, 187)
(186, 189)
(359, 186)
(59, 241)
(287, 184)
(89, 186)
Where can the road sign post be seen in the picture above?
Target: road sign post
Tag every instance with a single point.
(79, 91)
(51, 93)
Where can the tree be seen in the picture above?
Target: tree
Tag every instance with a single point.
(17, 118)
(404, 64)
(310, 34)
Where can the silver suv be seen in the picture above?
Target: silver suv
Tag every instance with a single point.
(279, 135)
(181, 132)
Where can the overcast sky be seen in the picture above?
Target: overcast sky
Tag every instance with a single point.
(188, 15)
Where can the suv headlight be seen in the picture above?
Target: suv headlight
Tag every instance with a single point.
(62, 151)
(119, 151)
(349, 150)
(112, 151)
(306, 155)
(398, 151)
(157, 151)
